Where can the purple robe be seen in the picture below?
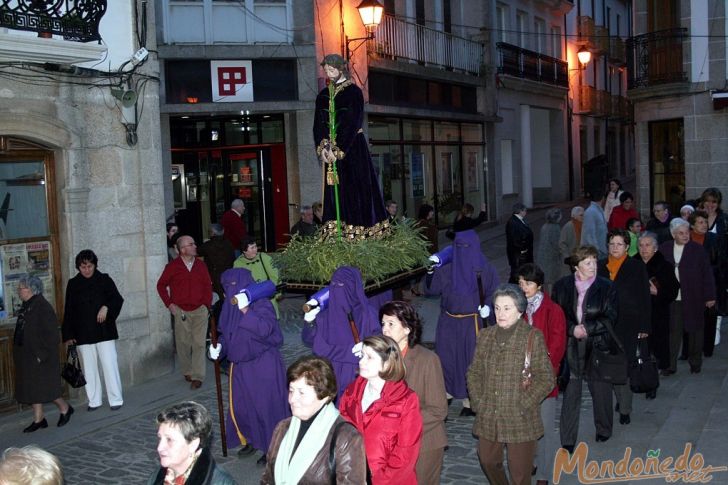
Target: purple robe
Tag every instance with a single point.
(258, 388)
(457, 285)
(333, 338)
(379, 299)
(360, 199)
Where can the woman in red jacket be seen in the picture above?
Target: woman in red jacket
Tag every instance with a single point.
(623, 212)
(542, 313)
(386, 412)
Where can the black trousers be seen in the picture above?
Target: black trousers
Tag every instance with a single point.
(601, 393)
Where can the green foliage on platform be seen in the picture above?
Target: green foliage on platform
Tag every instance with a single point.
(312, 260)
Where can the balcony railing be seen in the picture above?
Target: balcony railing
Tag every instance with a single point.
(601, 39)
(620, 108)
(656, 58)
(586, 30)
(76, 20)
(399, 39)
(519, 62)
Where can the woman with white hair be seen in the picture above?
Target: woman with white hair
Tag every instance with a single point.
(570, 237)
(697, 292)
(30, 465)
(35, 352)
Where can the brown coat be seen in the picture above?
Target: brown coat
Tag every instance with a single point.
(424, 376)
(351, 462)
(37, 365)
(505, 412)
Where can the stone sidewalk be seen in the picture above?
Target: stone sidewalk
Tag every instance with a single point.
(107, 447)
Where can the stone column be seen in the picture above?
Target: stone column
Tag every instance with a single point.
(526, 186)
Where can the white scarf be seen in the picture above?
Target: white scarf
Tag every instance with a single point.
(289, 470)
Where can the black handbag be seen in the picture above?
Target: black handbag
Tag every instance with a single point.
(609, 365)
(643, 374)
(72, 372)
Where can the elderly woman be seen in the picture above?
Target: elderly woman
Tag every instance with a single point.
(590, 306)
(35, 354)
(548, 254)
(663, 291)
(89, 321)
(386, 412)
(507, 404)
(629, 278)
(570, 237)
(301, 445)
(686, 210)
(716, 252)
(185, 433)
(697, 292)
(30, 465)
(466, 286)
(250, 339)
(542, 313)
(401, 322)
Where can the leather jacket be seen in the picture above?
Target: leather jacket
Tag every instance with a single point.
(600, 311)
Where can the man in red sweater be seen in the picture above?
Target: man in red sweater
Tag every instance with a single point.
(186, 290)
(233, 225)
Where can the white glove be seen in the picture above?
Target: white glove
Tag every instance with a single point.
(435, 259)
(311, 316)
(358, 350)
(243, 301)
(215, 298)
(214, 351)
(484, 311)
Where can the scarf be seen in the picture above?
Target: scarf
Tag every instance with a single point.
(533, 305)
(577, 229)
(290, 466)
(698, 238)
(581, 288)
(613, 265)
(170, 478)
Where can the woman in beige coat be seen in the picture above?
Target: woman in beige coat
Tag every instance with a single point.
(401, 322)
(507, 408)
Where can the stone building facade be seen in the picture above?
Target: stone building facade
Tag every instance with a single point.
(79, 170)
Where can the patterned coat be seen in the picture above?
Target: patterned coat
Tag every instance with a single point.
(505, 412)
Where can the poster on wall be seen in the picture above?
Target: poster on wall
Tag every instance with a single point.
(21, 260)
(417, 174)
(471, 172)
(444, 173)
(232, 81)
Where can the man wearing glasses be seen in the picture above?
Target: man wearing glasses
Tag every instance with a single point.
(186, 290)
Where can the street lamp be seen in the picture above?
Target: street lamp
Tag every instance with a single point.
(584, 56)
(370, 12)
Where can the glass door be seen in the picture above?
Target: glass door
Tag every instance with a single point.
(250, 180)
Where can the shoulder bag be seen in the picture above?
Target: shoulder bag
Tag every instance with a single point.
(72, 372)
(526, 375)
(643, 373)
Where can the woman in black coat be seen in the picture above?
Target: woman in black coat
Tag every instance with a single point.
(630, 280)
(35, 355)
(92, 306)
(663, 291)
(590, 307)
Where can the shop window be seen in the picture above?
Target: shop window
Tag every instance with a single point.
(383, 128)
(471, 132)
(446, 131)
(667, 163)
(417, 130)
(271, 130)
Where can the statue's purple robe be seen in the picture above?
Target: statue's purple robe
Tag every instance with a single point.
(360, 199)
(258, 388)
(333, 338)
(457, 285)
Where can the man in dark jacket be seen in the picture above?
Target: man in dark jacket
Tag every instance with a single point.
(218, 254)
(519, 241)
(660, 222)
(305, 227)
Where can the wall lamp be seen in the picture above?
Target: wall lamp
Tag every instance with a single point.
(370, 12)
(584, 56)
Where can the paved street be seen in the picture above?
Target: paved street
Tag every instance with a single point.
(119, 447)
